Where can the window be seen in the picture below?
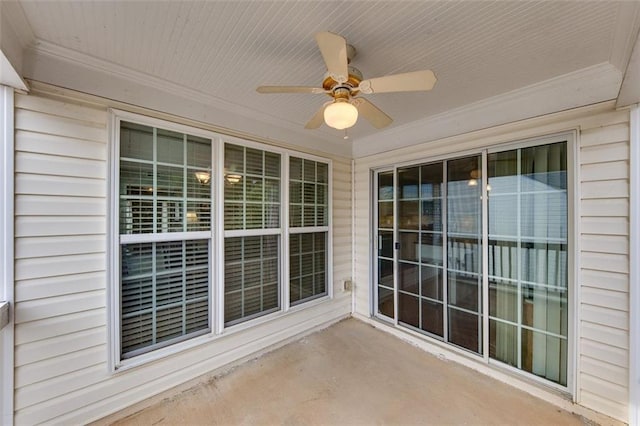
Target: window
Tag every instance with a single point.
(165, 237)
(309, 225)
(430, 274)
(251, 254)
(173, 232)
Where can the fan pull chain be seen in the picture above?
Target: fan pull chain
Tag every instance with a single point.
(346, 136)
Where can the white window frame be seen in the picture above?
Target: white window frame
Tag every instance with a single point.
(7, 251)
(217, 236)
(572, 235)
(634, 273)
(313, 229)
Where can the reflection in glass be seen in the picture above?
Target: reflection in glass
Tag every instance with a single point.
(503, 299)
(408, 181)
(544, 356)
(503, 342)
(409, 247)
(464, 290)
(385, 273)
(385, 186)
(408, 277)
(432, 282)
(464, 330)
(385, 302)
(408, 309)
(432, 317)
(408, 215)
(385, 214)
(385, 244)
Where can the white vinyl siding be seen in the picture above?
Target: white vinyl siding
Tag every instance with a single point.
(62, 374)
(601, 352)
(604, 275)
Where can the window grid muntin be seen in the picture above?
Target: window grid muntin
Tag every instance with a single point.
(297, 273)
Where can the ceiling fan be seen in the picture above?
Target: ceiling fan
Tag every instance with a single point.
(345, 84)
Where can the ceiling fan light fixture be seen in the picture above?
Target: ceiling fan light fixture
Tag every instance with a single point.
(340, 115)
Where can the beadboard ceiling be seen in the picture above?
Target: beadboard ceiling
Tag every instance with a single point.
(223, 50)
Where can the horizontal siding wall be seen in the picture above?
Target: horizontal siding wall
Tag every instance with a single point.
(61, 372)
(603, 240)
(604, 275)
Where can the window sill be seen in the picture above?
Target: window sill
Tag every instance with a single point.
(164, 353)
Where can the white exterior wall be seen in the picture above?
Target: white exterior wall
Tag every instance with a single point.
(61, 343)
(601, 334)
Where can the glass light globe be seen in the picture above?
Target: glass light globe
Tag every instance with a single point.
(340, 115)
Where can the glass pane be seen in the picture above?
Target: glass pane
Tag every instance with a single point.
(233, 158)
(432, 319)
(464, 291)
(385, 302)
(503, 172)
(169, 216)
(408, 277)
(463, 254)
(322, 171)
(254, 161)
(503, 215)
(408, 214)
(409, 247)
(544, 167)
(271, 164)
(464, 330)
(503, 299)
(432, 282)
(464, 178)
(431, 216)
(431, 181)
(295, 168)
(431, 248)
(198, 152)
(136, 178)
(170, 147)
(385, 244)
(408, 182)
(233, 215)
(408, 309)
(385, 186)
(170, 181)
(503, 342)
(544, 264)
(503, 259)
(545, 308)
(463, 216)
(544, 215)
(544, 356)
(295, 192)
(309, 168)
(385, 273)
(385, 215)
(136, 141)
(198, 216)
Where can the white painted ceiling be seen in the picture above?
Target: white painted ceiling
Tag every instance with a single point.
(225, 49)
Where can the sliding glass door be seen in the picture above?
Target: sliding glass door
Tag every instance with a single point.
(429, 250)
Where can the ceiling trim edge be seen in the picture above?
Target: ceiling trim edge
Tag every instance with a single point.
(53, 64)
(587, 86)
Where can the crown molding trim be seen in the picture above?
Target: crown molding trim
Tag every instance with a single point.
(60, 66)
(587, 86)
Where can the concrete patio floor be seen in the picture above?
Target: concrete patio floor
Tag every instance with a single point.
(348, 374)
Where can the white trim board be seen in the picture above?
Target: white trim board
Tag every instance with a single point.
(587, 86)
(634, 272)
(6, 251)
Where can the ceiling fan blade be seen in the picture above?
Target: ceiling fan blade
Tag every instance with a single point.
(334, 52)
(317, 119)
(407, 82)
(290, 89)
(372, 113)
